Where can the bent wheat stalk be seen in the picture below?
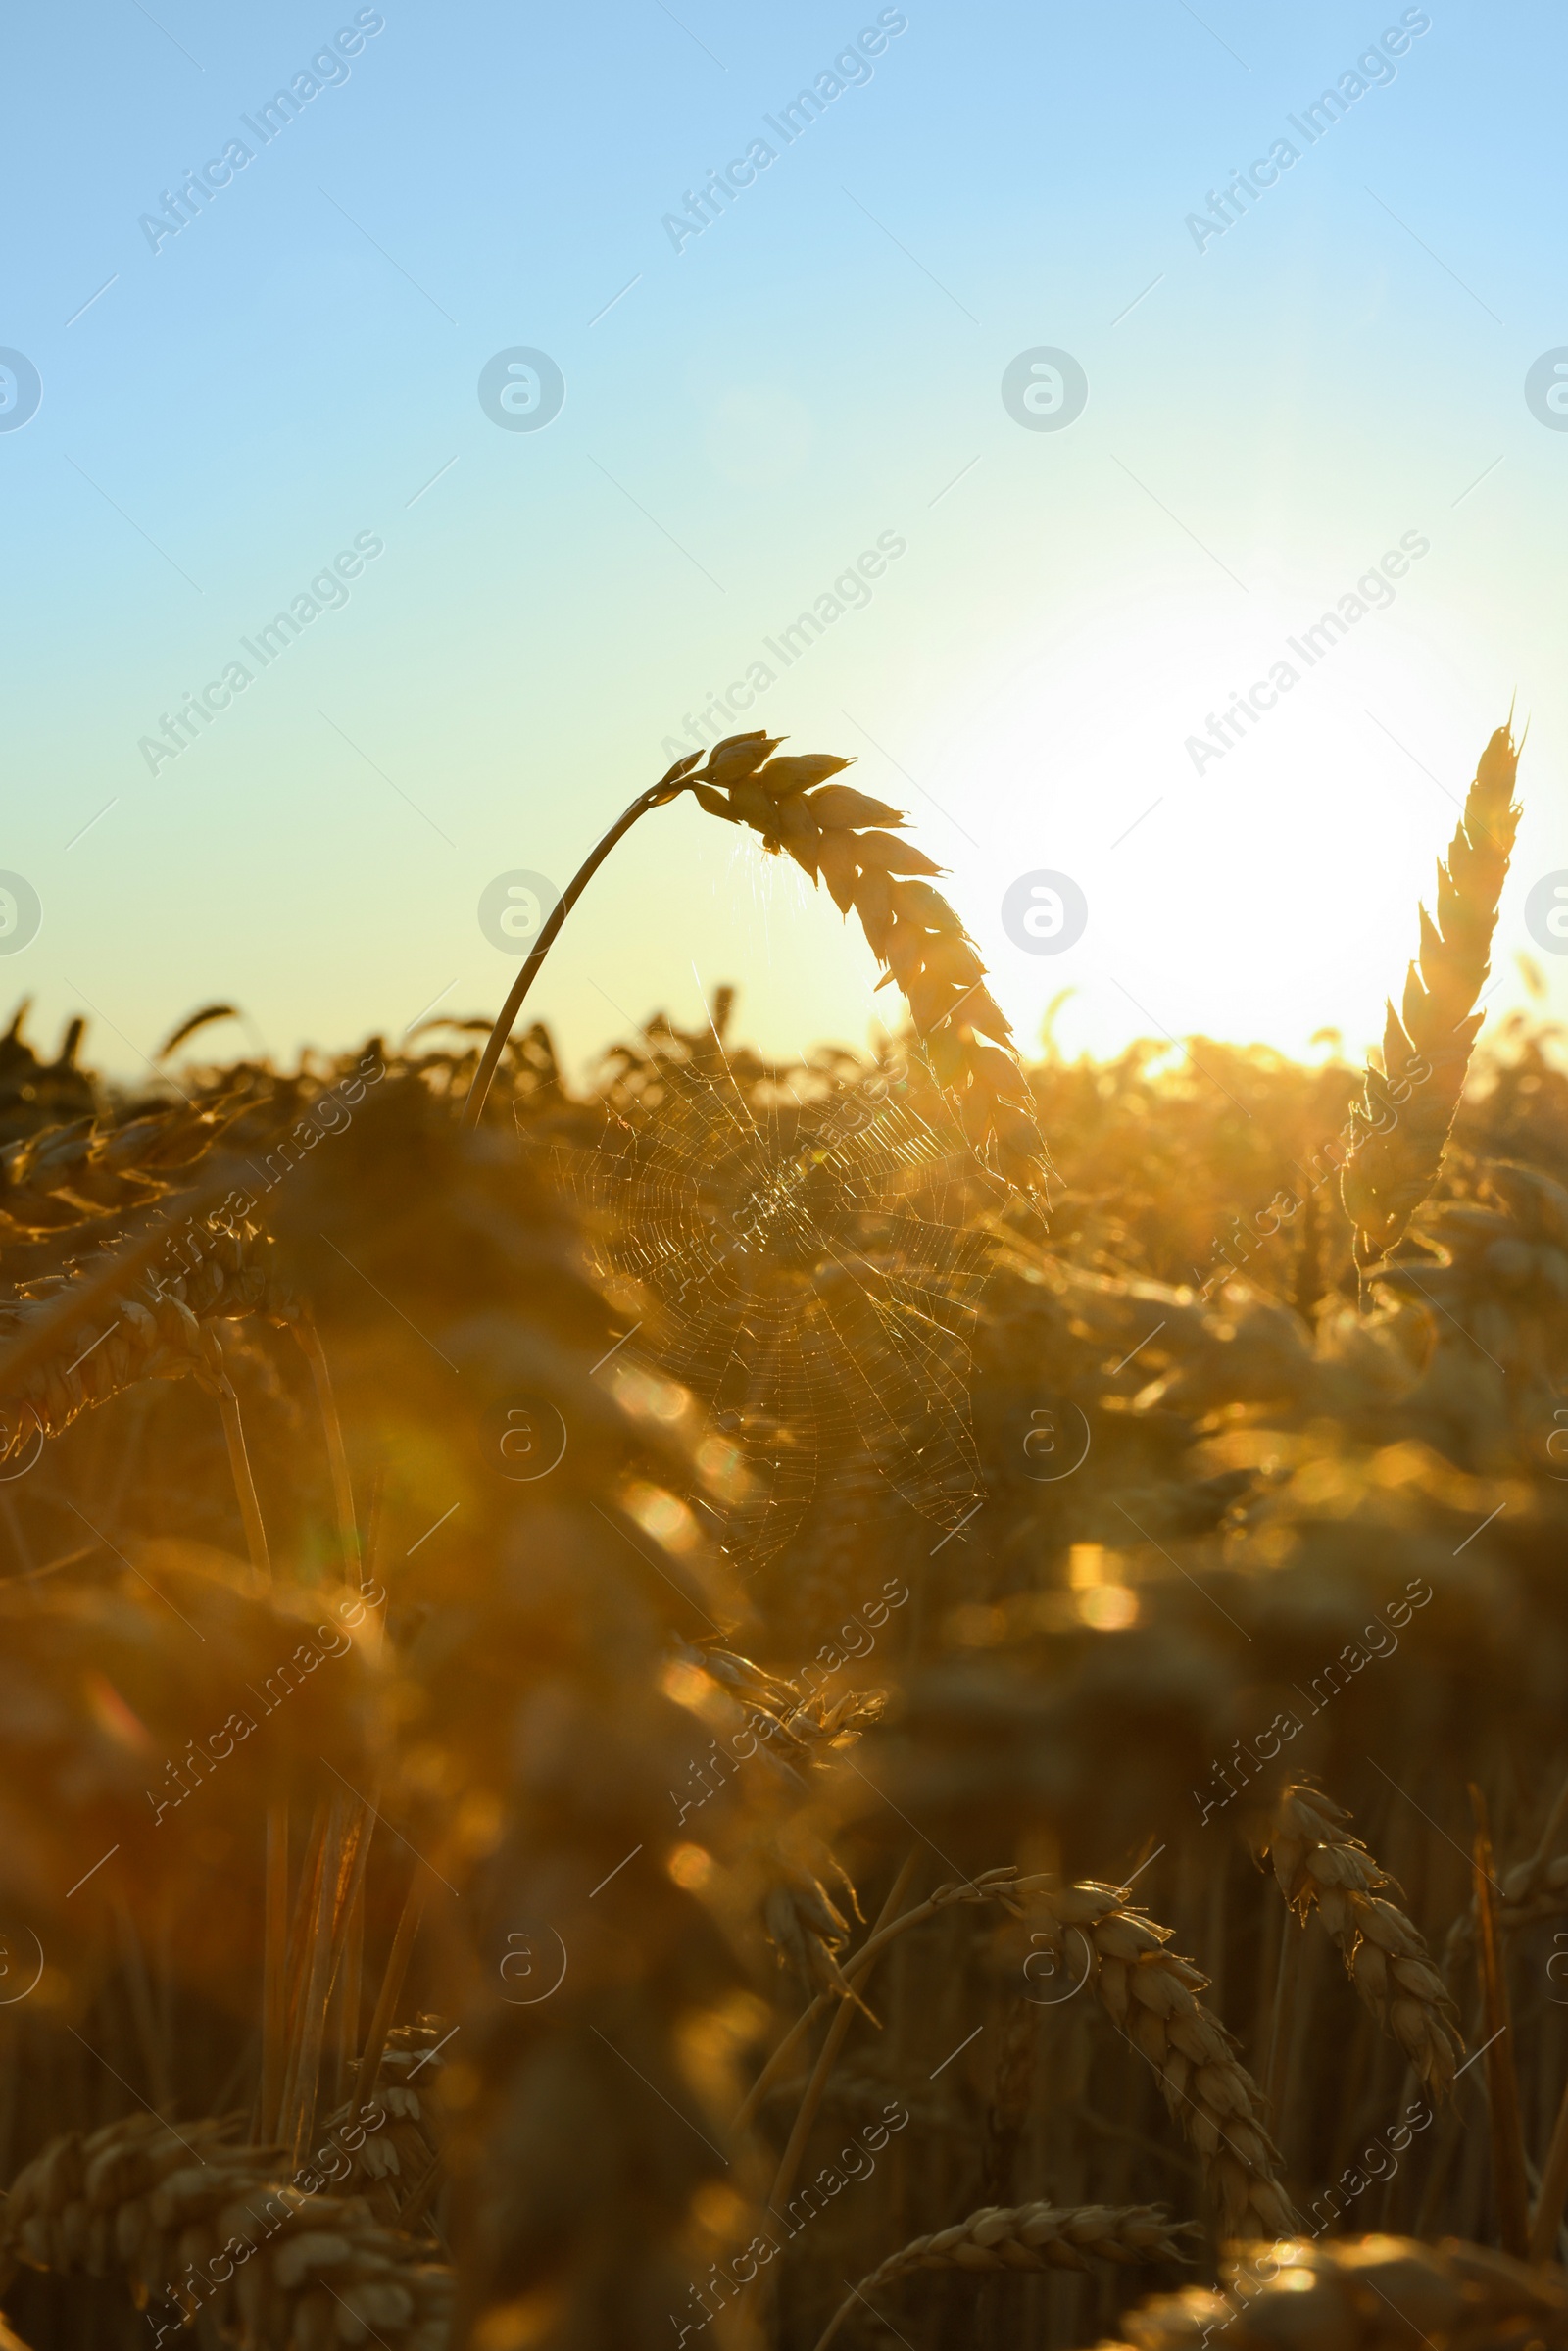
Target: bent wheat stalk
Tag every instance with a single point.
(838, 836)
(1150, 1995)
(505, 1019)
(1402, 1124)
(1319, 1862)
(1029, 2238)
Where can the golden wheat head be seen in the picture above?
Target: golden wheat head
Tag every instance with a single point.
(1029, 2238)
(1317, 1862)
(1402, 1122)
(841, 837)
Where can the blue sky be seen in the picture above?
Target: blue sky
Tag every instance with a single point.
(1271, 411)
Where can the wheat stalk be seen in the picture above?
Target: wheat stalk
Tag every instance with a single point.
(1401, 1126)
(1318, 1864)
(190, 2219)
(275, 1972)
(1150, 1994)
(381, 2028)
(1029, 2238)
(833, 2041)
(347, 1528)
(837, 835)
(1012, 2091)
(118, 1340)
(1002, 1886)
(64, 1176)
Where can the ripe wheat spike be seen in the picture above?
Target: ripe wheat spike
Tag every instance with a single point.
(1029, 2236)
(1317, 1861)
(171, 1337)
(65, 1176)
(838, 836)
(1152, 1995)
(188, 2219)
(1403, 1121)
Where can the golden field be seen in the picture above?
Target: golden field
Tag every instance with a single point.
(911, 1696)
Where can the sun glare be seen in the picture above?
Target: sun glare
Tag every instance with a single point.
(1249, 809)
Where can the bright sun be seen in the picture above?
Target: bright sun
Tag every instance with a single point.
(1261, 892)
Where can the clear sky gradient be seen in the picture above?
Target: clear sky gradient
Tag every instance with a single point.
(1284, 385)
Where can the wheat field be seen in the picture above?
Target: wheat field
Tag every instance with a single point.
(910, 1697)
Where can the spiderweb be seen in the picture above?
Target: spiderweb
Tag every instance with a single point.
(812, 1288)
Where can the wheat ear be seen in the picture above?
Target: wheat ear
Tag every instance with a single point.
(1319, 1862)
(1150, 1994)
(1029, 2236)
(396, 2166)
(79, 1341)
(65, 1176)
(185, 2216)
(838, 836)
(1400, 1125)
(37, 1328)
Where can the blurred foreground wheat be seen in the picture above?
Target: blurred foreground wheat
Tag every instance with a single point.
(458, 1889)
